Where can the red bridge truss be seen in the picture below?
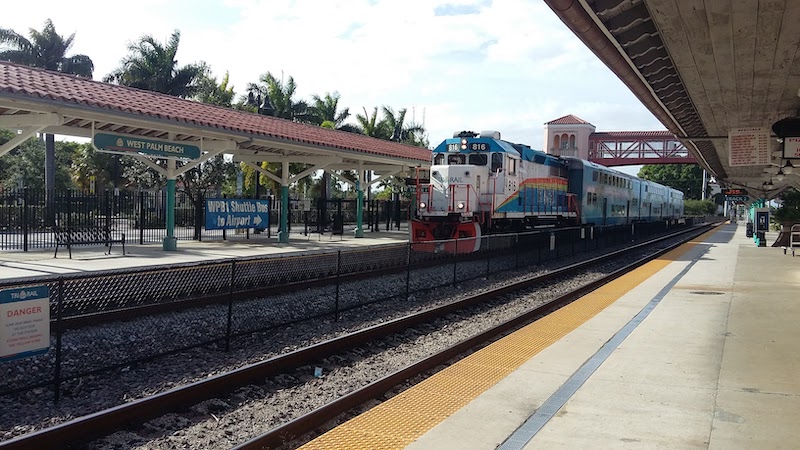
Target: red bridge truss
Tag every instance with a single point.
(623, 148)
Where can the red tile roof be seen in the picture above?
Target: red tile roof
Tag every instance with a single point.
(568, 120)
(22, 82)
(661, 134)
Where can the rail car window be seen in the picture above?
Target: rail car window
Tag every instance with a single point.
(438, 160)
(455, 159)
(477, 159)
(497, 162)
(594, 175)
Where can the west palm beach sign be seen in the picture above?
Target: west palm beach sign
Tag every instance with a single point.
(126, 145)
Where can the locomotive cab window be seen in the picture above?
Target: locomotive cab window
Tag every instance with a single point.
(455, 159)
(438, 160)
(497, 162)
(478, 159)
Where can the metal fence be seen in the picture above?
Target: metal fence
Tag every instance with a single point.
(27, 216)
(172, 308)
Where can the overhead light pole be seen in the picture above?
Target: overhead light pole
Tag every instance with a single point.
(263, 108)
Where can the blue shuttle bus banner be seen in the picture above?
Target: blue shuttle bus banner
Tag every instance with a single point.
(233, 213)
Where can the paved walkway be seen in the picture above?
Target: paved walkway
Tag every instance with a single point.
(18, 264)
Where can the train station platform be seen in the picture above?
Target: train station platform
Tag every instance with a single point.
(698, 349)
(87, 258)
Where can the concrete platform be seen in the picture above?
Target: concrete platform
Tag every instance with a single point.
(18, 264)
(715, 364)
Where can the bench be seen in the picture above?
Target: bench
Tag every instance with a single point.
(85, 235)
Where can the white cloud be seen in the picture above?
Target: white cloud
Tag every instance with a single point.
(509, 65)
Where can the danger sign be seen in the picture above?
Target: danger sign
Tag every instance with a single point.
(24, 322)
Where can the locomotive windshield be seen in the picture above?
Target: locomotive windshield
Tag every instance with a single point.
(477, 159)
(456, 159)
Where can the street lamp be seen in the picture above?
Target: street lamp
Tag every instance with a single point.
(264, 108)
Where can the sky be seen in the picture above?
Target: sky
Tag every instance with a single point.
(505, 65)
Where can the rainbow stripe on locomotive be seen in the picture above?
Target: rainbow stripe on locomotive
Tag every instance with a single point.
(480, 184)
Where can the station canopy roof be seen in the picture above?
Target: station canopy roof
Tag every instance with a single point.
(711, 71)
(34, 100)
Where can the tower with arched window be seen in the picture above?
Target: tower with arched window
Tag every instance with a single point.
(568, 136)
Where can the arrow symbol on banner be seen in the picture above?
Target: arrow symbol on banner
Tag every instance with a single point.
(257, 220)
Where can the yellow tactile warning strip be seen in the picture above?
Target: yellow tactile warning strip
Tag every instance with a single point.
(396, 423)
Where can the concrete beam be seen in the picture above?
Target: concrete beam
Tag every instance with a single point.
(30, 120)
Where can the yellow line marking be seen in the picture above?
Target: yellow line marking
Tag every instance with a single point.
(396, 423)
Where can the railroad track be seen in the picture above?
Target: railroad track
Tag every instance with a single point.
(104, 422)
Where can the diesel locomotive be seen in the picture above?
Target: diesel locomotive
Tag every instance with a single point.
(480, 184)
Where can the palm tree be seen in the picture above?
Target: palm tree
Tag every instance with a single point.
(325, 109)
(369, 125)
(46, 49)
(153, 67)
(401, 132)
(280, 97)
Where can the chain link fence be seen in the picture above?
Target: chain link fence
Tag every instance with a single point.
(106, 320)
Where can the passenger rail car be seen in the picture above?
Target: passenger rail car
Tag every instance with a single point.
(480, 184)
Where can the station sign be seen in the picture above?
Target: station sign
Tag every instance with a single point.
(24, 322)
(133, 145)
(236, 213)
(736, 198)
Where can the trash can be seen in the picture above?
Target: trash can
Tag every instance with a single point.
(749, 229)
(762, 239)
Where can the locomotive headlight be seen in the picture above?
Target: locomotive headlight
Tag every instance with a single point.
(460, 205)
(463, 143)
(422, 205)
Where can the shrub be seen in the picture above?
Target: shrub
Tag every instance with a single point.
(699, 207)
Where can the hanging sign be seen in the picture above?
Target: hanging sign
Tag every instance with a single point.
(127, 145)
(748, 147)
(791, 148)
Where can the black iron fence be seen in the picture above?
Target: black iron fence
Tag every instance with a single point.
(173, 308)
(27, 216)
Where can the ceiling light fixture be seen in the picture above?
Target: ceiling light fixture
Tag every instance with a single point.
(779, 175)
(788, 169)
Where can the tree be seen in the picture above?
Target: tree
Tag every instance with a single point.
(208, 91)
(107, 170)
(46, 49)
(687, 178)
(408, 133)
(369, 125)
(152, 66)
(24, 166)
(326, 109)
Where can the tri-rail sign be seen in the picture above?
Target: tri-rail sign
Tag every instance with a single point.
(233, 213)
(24, 322)
(126, 145)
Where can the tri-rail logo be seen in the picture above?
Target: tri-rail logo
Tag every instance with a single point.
(455, 179)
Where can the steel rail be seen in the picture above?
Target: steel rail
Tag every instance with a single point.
(102, 423)
(309, 422)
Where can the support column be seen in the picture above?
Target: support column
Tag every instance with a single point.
(170, 242)
(359, 231)
(283, 236)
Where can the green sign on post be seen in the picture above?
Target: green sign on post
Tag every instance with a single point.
(116, 143)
